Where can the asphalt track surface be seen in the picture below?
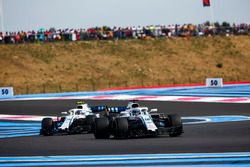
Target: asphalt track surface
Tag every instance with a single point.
(199, 138)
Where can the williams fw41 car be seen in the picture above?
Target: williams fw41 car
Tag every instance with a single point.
(135, 121)
(77, 120)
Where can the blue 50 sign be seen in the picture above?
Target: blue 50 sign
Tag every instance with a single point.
(6, 92)
(214, 82)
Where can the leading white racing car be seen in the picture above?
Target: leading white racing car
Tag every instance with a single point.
(136, 121)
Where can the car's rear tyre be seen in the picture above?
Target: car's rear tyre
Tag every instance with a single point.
(47, 127)
(101, 128)
(121, 128)
(90, 120)
(176, 125)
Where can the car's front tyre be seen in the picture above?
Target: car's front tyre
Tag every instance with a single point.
(121, 128)
(47, 127)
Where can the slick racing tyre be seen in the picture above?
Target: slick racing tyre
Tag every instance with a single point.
(176, 125)
(47, 127)
(121, 128)
(101, 128)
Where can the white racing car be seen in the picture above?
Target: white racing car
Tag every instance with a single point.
(136, 121)
(77, 120)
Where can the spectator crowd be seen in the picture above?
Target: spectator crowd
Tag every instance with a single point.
(110, 33)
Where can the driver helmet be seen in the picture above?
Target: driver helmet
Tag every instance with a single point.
(135, 112)
(78, 112)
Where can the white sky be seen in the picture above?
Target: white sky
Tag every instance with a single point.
(35, 14)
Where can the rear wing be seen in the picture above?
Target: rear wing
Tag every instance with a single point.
(116, 109)
(106, 108)
(98, 108)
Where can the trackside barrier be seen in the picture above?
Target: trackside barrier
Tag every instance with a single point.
(6, 92)
(214, 82)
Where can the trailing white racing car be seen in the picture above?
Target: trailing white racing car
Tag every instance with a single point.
(136, 121)
(77, 120)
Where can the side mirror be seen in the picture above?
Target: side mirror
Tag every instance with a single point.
(64, 113)
(153, 110)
